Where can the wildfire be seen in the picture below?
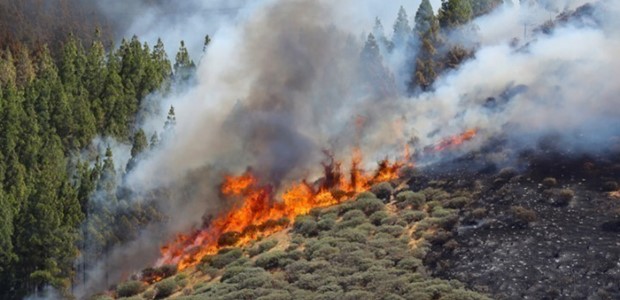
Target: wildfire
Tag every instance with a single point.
(258, 212)
(456, 140)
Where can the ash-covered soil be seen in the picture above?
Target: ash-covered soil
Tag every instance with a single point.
(547, 230)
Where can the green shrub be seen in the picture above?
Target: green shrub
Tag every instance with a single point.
(188, 291)
(207, 269)
(326, 224)
(276, 295)
(352, 235)
(365, 195)
(393, 230)
(130, 288)
(411, 216)
(272, 260)
(262, 247)
(457, 202)
(390, 220)
(306, 225)
(221, 260)
(409, 198)
(231, 272)
(382, 190)
(165, 288)
(411, 264)
(358, 294)
(376, 217)
(149, 295)
(369, 205)
(353, 214)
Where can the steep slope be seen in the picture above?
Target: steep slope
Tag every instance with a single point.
(360, 249)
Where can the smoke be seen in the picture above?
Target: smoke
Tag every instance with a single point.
(283, 80)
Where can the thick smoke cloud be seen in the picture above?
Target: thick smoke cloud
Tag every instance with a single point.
(282, 81)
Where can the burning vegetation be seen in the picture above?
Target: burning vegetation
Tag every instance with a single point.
(257, 211)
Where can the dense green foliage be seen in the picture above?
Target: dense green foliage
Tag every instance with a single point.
(51, 110)
(357, 258)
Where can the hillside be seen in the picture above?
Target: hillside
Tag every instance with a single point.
(438, 233)
(366, 248)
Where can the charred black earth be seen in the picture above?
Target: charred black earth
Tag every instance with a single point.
(546, 229)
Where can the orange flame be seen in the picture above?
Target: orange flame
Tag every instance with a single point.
(456, 140)
(259, 214)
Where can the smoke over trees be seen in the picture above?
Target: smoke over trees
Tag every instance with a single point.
(83, 168)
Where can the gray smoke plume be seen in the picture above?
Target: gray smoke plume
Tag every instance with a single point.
(283, 80)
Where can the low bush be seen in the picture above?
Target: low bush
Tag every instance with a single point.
(273, 260)
(409, 198)
(326, 224)
(523, 214)
(306, 225)
(221, 260)
(149, 295)
(376, 217)
(353, 214)
(393, 230)
(262, 247)
(411, 216)
(382, 190)
(411, 264)
(358, 294)
(457, 202)
(369, 205)
(130, 288)
(479, 213)
(165, 288)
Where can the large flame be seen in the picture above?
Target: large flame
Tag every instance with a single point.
(257, 210)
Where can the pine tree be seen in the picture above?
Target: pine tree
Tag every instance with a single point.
(378, 78)
(24, 68)
(402, 30)
(454, 13)
(94, 81)
(425, 20)
(139, 145)
(171, 120)
(46, 227)
(116, 113)
(8, 73)
(379, 32)
(427, 29)
(184, 66)
(154, 141)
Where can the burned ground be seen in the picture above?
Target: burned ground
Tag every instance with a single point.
(548, 231)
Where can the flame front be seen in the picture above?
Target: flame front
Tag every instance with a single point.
(258, 213)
